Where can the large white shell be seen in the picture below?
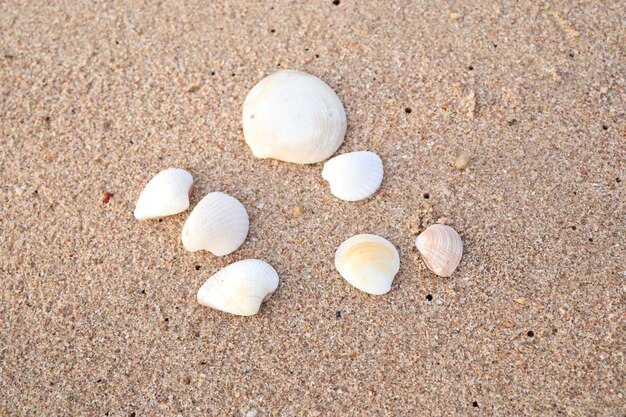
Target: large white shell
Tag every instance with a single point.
(441, 249)
(293, 116)
(219, 224)
(354, 176)
(240, 288)
(165, 194)
(368, 262)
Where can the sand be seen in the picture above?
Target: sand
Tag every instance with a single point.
(98, 311)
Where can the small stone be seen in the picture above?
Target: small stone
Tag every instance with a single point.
(604, 90)
(461, 162)
(468, 104)
(443, 220)
(521, 301)
(297, 211)
(194, 88)
(260, 205)
(555, 74)
(252, 413)
(455, 17)
(19, 190)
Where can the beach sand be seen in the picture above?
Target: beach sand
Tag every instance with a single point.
(98, 310)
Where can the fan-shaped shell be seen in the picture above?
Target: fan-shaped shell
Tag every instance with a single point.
(368, 262)
(239, 288)
(165, 194)
(293, 116)
(441, 249)
(219, 224)
(354, 176)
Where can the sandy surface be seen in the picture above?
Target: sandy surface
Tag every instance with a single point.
(97, 310)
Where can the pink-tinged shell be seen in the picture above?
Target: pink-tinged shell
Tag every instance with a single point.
(441, 249)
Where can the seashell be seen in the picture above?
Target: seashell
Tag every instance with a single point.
(441, 248)
(219, 224)
(165, 194)
(239, 288)
(294, 117)
(354, 176)
(368, 262)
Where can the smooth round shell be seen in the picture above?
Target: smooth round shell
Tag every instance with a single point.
(441, 249)
(167, 193)
(218, 224)
(294, 117)
(368, 262)
(239, 288)
(354, 176)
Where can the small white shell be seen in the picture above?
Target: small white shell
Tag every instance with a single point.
(219, 224)
(165, 194)
(293, 116)
(368, 262)
(354, 176)
(239, 288)
(441, 249)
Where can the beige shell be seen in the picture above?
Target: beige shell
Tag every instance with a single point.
(167, 193)
(293, 116)
(239, 288)
(441, 249)
(368, 262)
(219, 223)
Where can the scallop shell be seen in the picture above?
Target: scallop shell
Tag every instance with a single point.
(441, 249)
(219, 224)
(165, 194)
(294, 117)
(240, 288)
(368, 262)
(354, 176)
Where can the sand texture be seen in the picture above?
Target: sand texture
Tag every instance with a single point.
(97, 310)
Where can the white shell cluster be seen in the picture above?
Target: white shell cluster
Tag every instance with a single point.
(441, 249)
(368, 262)
(293, 116)
(354, 176)
(218, 224)
(239, 288)
(167, 193)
